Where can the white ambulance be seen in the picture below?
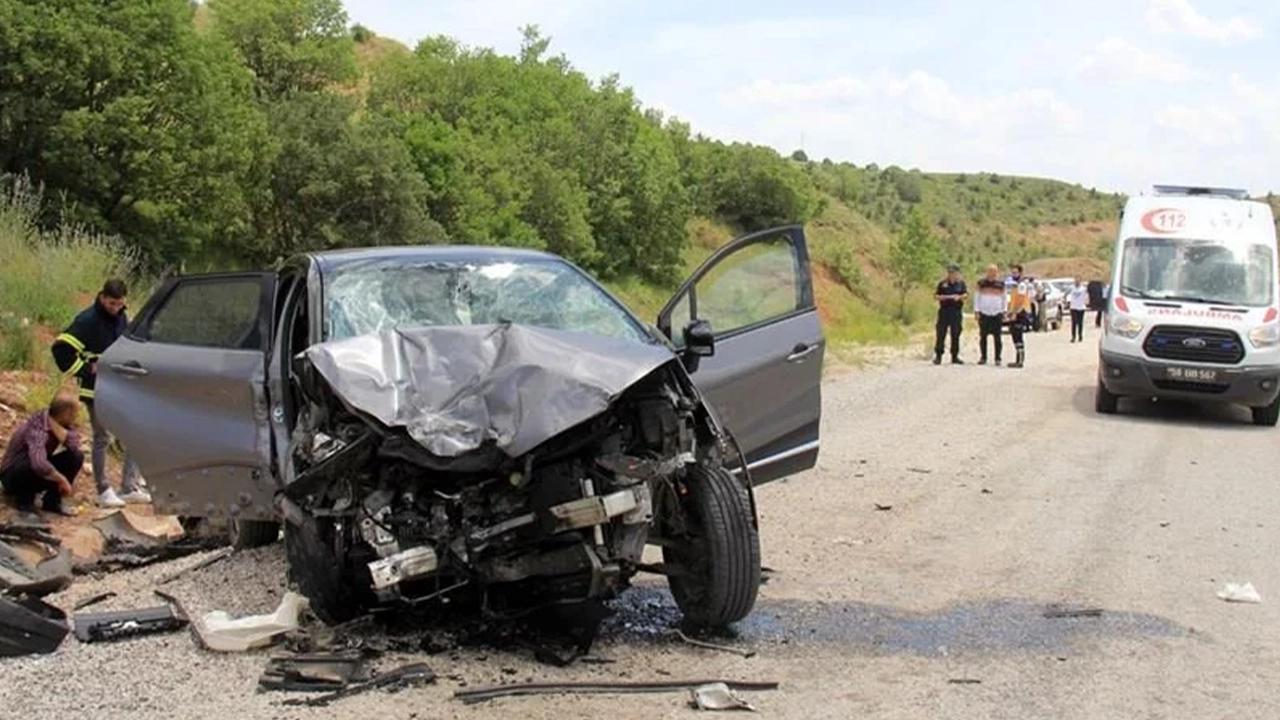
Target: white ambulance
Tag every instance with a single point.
(1192, 312)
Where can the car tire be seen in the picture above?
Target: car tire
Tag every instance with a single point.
(321, 576)
(246, 534)
(1267, 415)
(1105, 401)
(719, 566)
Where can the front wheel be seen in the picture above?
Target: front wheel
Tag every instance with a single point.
(717, 569)
(320, 574)
(1267, 415)
(1105, 401)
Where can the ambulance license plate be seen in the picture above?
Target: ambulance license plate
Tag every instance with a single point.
(1200, 375)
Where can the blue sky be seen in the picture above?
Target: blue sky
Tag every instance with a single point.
(1118, 94)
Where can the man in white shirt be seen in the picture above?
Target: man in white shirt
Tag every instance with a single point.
(988, 306)
(1079, 300)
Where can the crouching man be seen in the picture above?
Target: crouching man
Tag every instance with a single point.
(43, 458)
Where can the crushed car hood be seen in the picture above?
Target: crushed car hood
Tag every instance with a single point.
(455, 388)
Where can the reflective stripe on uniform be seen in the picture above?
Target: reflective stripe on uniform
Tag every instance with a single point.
(86, 393)
(71, 340)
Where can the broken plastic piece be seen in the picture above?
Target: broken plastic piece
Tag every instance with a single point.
(120, 624)
(717, 696)
(19, 578)
(222, 633)
(1240, 593)
(30, 627)
(309, 673)
(401, 677)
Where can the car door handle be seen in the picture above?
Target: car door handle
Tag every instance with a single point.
(132, 368)
(800, 352)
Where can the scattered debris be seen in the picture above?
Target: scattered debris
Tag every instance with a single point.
(922, 471)
(30, 532)
(1240, 593)
(1164, 524)
(717, 696)
(94, 600)
(964, 681)
(1055, 612)
(121, 624)
(222, 633)
(882, 508)
(712, 646)
(987, 491)
(311, 673)
(485, 694)
(398, 679)
(185, 615)
(219, 556)
(29, 626)
(132, 529)
(18, 577)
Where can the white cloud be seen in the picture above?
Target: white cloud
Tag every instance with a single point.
(1209, 127)
(1118, 60)
(921, 97)
(1179, 16)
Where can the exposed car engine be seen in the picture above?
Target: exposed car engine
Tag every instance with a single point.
(567, 521)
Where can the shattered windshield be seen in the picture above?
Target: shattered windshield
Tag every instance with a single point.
(369, 297)
(1198, 271)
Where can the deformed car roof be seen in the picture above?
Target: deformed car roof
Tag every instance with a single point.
(330, 259)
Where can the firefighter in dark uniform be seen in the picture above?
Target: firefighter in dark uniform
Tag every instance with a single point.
(950, 294)
(76, 352)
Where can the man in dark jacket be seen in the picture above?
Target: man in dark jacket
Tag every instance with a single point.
(44, 457)
(76, 351)
(950, 294)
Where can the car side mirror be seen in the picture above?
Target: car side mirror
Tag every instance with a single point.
(699, 339)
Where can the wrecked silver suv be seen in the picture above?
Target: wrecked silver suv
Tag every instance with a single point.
(478, 424)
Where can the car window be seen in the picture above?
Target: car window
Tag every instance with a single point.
(221, 313)
(370, 297)
(753, 285)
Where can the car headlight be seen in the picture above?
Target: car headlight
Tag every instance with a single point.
(1125, 326)
(1265, 335)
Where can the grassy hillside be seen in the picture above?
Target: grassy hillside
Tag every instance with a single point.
(1055, 228)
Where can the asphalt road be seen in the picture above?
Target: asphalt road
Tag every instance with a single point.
(1008, 498)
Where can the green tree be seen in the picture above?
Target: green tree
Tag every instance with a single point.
(335, 181)
(146, 126)
(289, 45)
(913, 257)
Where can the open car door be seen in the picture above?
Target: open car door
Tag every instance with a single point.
(764, 374)
(184, 390)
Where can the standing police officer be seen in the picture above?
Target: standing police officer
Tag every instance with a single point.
(951, 294)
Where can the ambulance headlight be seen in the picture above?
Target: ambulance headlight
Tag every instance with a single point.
(1125, 326)
(1265, 336)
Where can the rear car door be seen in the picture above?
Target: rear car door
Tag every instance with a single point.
(764, 378)
(184, 390)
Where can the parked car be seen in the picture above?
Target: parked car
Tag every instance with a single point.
(1051, 300)
(478, 423)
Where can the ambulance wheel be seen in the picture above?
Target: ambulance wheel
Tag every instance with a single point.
(1107, 402)
(1267, 415)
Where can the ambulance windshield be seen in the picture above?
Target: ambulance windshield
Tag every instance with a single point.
(1200, 271)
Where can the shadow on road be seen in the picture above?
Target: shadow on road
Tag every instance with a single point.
(1002, 625)
(1169, 412)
